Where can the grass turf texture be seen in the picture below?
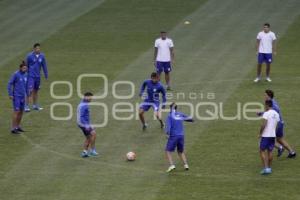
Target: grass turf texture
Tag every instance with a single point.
(114, 39)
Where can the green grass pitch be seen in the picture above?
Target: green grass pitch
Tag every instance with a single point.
(214, 54)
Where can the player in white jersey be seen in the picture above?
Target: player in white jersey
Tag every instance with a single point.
(265, 49)
(268, 134)
(164, 56)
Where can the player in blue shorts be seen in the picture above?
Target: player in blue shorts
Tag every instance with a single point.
(35, 61)
(154, 89)
(265, 48)
(267, 136)
(164, 56)
(269, 95)
(175, 134)
(17, 92)
(83, 122)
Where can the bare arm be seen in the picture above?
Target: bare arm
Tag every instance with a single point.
(155, 54)
(257, 45)
(262, 128)
(172, 53)
(274, 47)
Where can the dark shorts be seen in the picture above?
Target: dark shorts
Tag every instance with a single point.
(267, 143)
(175, 142)
(18, 103)
(86, 131)
(279, 130)
(163, 67)
(146, 105)
(264, 58)
(33, 83)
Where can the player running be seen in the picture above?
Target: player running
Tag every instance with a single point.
(35, 61)
(279, 131)
(17, 92)
(164, 56)
(83, 121)
(154, 88)
(265, 48)
(175, 134)
(267, 134)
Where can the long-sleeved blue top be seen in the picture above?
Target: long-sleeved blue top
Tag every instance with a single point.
(277, 109)
(174, 123)
(34, 63)
(153, 90)
(16, 86)
(83, 114)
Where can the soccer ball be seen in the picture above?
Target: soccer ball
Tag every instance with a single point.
(131, 156)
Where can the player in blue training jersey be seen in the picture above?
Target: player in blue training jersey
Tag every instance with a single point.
(175, 133)
(17, 93)
(84, 123)
(154, 88)
(35, 61)
(279, 131)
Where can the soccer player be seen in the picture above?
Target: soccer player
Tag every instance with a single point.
(265, 48)
(35, 61)
(164, 56)
(83, 121)
(267, 136)
(269, 95)
(175, 134)
(154, 88)
(17, 92)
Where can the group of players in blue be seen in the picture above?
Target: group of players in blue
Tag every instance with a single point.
(154, 91)
(24, 85)
(271, 132)
(174, 123)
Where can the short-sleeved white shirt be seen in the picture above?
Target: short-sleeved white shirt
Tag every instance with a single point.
(272, 118)
(266, 41)
(163, 49)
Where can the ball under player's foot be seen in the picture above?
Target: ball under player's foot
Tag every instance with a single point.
(171, 168)
(144, 126)
(292, 154)
(268, 79)
(37, 107)
(257, 79)
(186, 167)
(280, 151)
(266, 171)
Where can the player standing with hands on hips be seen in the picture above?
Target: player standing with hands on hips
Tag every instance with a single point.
(17, 92)
(265, 49)
(35, 61)
(164, 56)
